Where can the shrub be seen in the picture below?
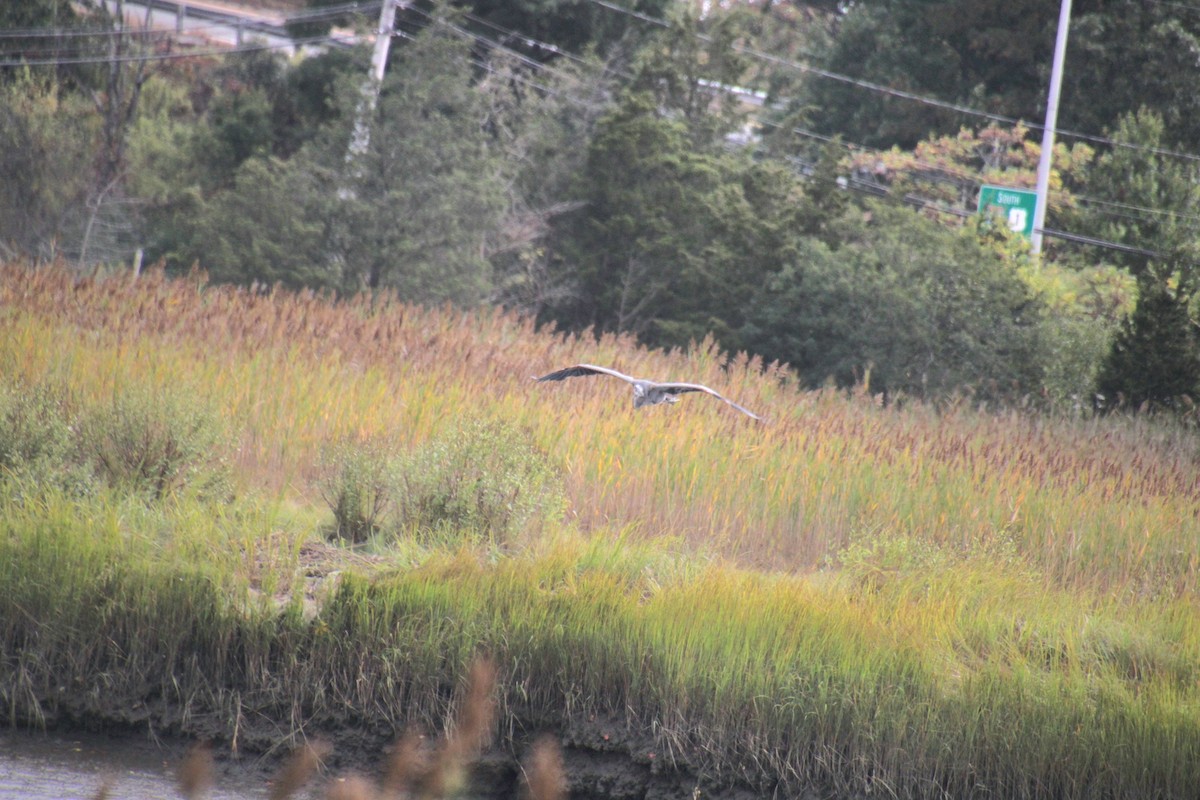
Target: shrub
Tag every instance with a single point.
(482, 480)
(358, 481)
(155, 443)
(37, 428)
(1155, 358)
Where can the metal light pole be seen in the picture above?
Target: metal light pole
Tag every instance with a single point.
(1043, 175)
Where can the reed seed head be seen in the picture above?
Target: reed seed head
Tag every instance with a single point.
(406, 765)
(477, 717)
(545, 777)
(303, 763)
(197, 772)
(351, 787)
(105, 790)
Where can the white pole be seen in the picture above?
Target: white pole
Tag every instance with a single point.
(383, 41)
(1043, 175)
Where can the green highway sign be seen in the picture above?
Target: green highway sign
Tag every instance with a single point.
(1016, 206)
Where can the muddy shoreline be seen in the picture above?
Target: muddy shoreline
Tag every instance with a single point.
(603, 758)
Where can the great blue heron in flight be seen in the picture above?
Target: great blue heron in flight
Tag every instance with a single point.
(645, 393)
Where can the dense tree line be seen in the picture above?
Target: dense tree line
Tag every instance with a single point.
(595, 169)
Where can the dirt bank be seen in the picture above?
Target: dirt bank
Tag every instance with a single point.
(603, 759)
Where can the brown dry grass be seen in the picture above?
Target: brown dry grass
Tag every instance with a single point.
(1106, 504)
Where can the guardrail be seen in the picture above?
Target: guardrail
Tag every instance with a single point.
(243, 23)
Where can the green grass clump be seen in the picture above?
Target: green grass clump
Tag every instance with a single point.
(140, 441)
(37, 439)
(156, 441)
(358, 481)
(478, 480)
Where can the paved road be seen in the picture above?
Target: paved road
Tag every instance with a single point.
(213, 23)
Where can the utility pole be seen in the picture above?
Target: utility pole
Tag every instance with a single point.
(360, 138)
(1043, 175)
(370, 91)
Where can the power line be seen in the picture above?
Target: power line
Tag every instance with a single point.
(852, 182)
(876, 189)
(902, 94)
(532, 63)
(1110, 208)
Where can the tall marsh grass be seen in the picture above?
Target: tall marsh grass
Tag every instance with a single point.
(851, 599)
(1098, 503)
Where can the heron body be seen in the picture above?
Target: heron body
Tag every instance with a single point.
(645, 392)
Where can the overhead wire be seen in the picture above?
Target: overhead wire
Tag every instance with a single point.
(960, 173)
(532, 63)
(905, 95)
(853, 182)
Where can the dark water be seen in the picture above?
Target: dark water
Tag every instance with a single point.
(35, 766)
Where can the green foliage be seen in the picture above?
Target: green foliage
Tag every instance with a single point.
(921, 309)
(995, 57)
(1083, 310)
(682, 66)
(36, 13)
(311, 95)
(238, 127)
(1155, 359)
(674, 227)
(977, 53)
(480, 480)
(48, 137)
(37, 439)
(33, 428)
(29, 16)
(156, 443)
(358, 480)
(262, 104)
(672, 237)
(1140, 176)
(578, 27)
(149, 444)
(1124, 55)
(476, 481)
(269, 227)
(420, 205)
(222, 175)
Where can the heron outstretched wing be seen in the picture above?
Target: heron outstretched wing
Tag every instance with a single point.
(680, 388)
(580, 370)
